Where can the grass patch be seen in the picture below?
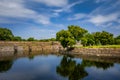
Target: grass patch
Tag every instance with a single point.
(100, 46)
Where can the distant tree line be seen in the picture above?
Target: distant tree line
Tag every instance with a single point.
(7, 35)
(69, 37)
(74, 34)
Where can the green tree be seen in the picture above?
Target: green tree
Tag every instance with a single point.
(17, 38)
(103, 37)
(106, 38)
(77, 32)
(117, 40)
(78, 73)
(47, 40)
(103, 65)
(5, 65)
(52, 39)
(90, 39)
(6, 34)
(84, 41)
(31, 39)
(65, 38)
(31, 57)
(118, 37)
(97, 37)
(69, 68)
(24, 40)
(66, 66)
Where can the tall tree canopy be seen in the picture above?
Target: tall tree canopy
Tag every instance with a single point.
(117, 40)
(68, 37)
(88, 39)
(6, 34)
(103, 37)
(65, 38)
(77, 32)
(118, 37)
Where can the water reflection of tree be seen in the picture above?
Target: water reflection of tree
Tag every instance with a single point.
(5, 65)
(69, 68)
(76, 71)
(31, 57)
(103, 65)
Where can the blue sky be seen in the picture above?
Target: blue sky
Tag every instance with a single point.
(43, 18)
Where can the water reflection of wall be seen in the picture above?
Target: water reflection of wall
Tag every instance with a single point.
(14, 55)
(109, 59)
(76, 71)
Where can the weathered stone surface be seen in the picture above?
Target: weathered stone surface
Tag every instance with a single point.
(97, 51)
(29, 46)
(54, 47)
(6, 48)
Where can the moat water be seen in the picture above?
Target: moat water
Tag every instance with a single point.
(57, 67)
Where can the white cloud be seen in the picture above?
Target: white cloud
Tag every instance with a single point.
(115, 27)
(102, 19)
(58, 25)
(78, 16)
(55, 14)
(56, 3)
(67, 7)
(43, 19)
(16, 9)
(107, 7)
(107, 15)
(98, 1)
(4, 20)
